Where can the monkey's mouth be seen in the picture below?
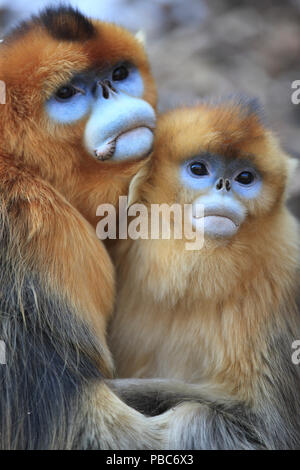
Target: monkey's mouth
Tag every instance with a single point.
(217, 223)
(136, 142)
(220, 212)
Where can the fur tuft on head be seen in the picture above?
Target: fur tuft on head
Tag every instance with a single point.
(63, 23)
(67, 24)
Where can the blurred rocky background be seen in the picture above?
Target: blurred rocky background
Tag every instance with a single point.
(201, 48)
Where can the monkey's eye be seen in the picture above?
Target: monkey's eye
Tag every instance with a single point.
(245, 177)
(198, 169)
(120, 73)
(66, 92)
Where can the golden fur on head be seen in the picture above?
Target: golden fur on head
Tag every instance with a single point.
(206, 315)
(37, 59)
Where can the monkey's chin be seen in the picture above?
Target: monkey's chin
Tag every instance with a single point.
(215, 226)
(132, 144)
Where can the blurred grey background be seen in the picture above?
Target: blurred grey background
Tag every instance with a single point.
(202, 48)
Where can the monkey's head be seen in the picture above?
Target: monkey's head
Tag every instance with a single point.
(79, 95)
(221, 158)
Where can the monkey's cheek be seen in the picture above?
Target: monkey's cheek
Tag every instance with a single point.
(136, 143)
(215, 226)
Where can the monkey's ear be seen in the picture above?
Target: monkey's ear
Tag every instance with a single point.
(137, 183)
(141, 37)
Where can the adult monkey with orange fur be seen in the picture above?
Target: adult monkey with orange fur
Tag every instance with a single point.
(63, 73)
(222, 319)
(81, 98)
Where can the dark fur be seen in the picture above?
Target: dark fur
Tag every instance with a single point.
(67, 24)
(50, 353)
(63, 24)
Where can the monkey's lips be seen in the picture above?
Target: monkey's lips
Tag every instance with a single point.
(131, 143)
(217, 224)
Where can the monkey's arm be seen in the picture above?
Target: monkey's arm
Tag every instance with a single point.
(53, 326)
(201, 419)
(204, 419)
(155, 396)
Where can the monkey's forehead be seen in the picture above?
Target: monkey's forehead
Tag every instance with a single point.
(64, 36)
(230, 128)
(225, 127)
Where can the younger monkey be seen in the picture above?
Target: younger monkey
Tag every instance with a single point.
(224, 318)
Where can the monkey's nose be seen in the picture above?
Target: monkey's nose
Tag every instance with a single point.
(223, 184)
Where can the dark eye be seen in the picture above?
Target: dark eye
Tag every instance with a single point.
(120, 73)
(65, 92)
(199, 169)
(246, 177)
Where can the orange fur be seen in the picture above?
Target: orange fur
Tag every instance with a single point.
(47, 230)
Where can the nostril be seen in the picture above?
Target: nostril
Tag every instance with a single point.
(105, 90)
(220, 184)
(109, 85)
(228, 185)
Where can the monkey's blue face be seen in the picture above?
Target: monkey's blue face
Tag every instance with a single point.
(223, 188)
(119, 124)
